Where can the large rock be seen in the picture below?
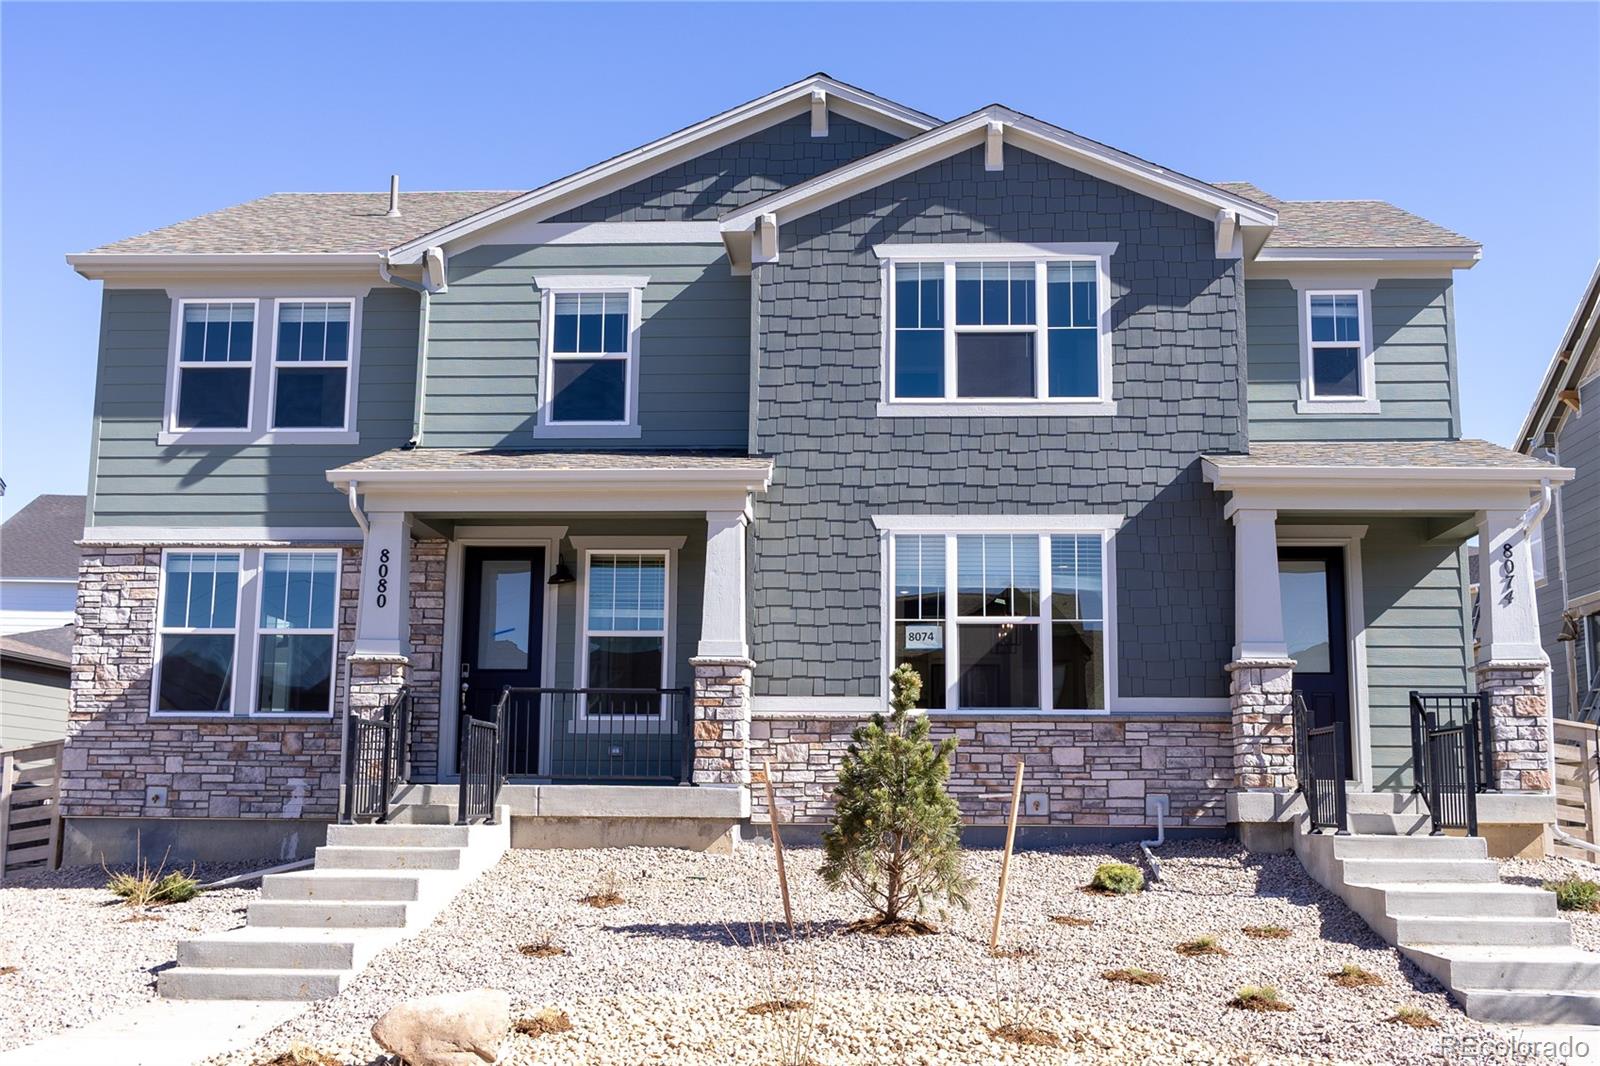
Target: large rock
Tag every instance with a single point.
(455, 1029)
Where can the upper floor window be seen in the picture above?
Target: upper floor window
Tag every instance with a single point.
(591, 365)
(311, 364)
(1337, 369)
(216, 350)
(983, 325)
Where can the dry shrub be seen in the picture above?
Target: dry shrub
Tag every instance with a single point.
(1259, 998)
(777, 1006)
(1026, 1035)
(302, 1055)
(542, 946)
(782, 975)
(6, 971)
(544, 1022)
(1201, 945)
(605, 894)
(1415, 1017)
(1072, 920)
(143, 887)
(1133, 975)
(1013, 953)
(1266, 932)
(1350, 976)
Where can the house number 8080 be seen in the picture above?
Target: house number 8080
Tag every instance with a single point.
(383, 578)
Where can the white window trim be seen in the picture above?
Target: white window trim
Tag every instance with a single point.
(331, 632)
(667, 550)
(552, 285)
(247, 634)
(258, 426)
(950, 528)
(349, 365)
(1309, 402)
(1037, 405)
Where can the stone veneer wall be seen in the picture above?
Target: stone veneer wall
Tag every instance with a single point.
(1519, 708)
(1096, 772)
(211, 767)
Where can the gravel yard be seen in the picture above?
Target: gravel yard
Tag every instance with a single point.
(1536, 872)
(666, 976)
(79, 957)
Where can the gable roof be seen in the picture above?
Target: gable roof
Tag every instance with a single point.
(42, 647)
(1568, 368)
(1324, 225)
(622, 170)
(40, 541)
(1024, 131)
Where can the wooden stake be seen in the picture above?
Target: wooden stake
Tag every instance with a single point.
(777, 845)
(1005, 862)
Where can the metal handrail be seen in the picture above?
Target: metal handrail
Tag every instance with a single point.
(1319, 758)
(377, 759)
(481, 766)
(612, 735)
(1449, 761)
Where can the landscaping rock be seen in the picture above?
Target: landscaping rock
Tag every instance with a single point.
(454, 1029)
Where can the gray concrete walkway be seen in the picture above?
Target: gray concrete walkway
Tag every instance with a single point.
(161, 1033)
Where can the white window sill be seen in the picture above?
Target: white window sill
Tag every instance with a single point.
(245, 437)
(580, 432)
(1337, 407)
(1021, 409)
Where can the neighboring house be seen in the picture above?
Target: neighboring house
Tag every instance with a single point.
(1563, 427)
(39, 559)
(35, 677)
(722, 428)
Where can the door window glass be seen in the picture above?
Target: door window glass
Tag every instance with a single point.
(503, 613)
(1303, 585)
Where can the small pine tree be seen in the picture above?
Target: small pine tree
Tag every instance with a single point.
(895, 840)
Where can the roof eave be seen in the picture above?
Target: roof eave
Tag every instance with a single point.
(1567, 364)
(752, 479)
(1228, 477)
(1464, 257)
(99, 266)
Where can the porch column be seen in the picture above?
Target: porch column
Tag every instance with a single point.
(1261, 676)
(722, 667)
(1512, 666)
(380, 662)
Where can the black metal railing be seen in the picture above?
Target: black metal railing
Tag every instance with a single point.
(377, 759)
(1319, 763)
(600, 735)
(1451, 745)
(482, 765)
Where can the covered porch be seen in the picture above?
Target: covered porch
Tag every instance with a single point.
(590, 607)
(1351, 588)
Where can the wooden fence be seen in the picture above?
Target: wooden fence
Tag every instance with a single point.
(30, 808)
(1577, 785)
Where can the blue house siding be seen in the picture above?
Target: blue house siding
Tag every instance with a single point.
(1414, 360)
(482, 388)
(1177, 326)
(736, 174)
(1578, 446)
(136, 482)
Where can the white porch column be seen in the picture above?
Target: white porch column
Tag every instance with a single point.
(1512, 667)
(722, 610)
(1257, 602)
(1508, 613)
(383, 626)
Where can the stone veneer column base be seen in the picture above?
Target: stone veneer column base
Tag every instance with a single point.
(1259, 692)
(1519, 711)
(374, 680)
(722, 720)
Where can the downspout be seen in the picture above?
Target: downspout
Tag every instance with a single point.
(1149, 846)
(424, 293)
(356, 511)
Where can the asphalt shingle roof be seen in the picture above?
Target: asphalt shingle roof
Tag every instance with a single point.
(40, 541)
(336, 222)
(1346, 223)
(438, 459)
(1441, 454)
(52, 647)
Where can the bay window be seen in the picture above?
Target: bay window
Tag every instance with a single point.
(1002, 620)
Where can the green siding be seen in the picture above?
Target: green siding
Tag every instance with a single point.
(694, 359)
(135, 482)
(33, 704)
(1413, 344)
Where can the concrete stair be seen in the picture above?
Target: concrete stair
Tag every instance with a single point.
(312, 930)
(1502, 950)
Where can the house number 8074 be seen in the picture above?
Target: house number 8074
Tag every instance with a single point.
(383, 578)
(1508, 567)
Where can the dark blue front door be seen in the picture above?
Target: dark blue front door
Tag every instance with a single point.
(1311, 581)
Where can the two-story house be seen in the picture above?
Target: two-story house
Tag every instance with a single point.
(690, 448)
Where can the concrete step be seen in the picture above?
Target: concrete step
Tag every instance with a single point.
(1467, 901)
(1411, 871)
(322, 914)
(400, 835)
(1368, 846)
(1512, 932)
(349, 857)
(1557, 968)
(186, 982)
(341, 885)
(274, 949)
(1389, 824)
(1524, 1007)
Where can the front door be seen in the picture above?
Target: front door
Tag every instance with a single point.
(502, 633)
(1312, 584)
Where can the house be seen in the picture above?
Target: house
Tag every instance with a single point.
(1567, 556)
(663, 465)
(39, 564)
(35, 681)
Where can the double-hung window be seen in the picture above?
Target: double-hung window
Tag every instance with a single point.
(311, 364)
(589, 374)
(1007, 325)
(246, 632)
(625, 627)
(216, 351)
(1337, 367)
(1002, 621)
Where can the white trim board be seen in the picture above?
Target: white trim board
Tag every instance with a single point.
(981, 250)
(927, 523)
(590, 233)
(234, 536)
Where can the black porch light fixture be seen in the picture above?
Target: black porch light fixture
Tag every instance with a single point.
(562, 574)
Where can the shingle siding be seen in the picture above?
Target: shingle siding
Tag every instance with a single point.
(1578, 445)
(736, 174)
(1176, 319)
(1414, 362)
(136, 482)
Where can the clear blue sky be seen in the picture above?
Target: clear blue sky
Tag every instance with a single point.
(121, 118)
